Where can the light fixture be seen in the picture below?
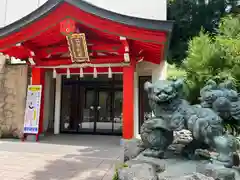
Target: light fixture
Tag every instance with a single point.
(7, 57)
(81, 72)
(126, 57)
(122, 38)
(95, 72)
(18, 44)
(68, 73)
(54, 73)
(140, 60)
(12, 59)
(109, 72)
(32, 53)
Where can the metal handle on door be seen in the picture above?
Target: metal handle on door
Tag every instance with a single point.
(92, 107)
(98, 108)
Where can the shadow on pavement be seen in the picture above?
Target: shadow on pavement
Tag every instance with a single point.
(65, 157)
(88, 164)
(81, 140)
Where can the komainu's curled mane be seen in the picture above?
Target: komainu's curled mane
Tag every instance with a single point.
(224, 100)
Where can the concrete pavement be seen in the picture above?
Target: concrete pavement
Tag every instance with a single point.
(63, 157)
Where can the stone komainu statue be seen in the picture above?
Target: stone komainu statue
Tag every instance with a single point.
(205, 121)
(223, 99)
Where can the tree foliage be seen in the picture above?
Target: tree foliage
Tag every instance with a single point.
(214, 57)
(174, 72)
(190, 16)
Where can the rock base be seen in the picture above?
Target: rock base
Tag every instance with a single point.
(177, 168)
(218, 171)
(132, 148)
(174, 167)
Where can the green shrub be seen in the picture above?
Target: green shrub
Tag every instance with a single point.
(213, 57)
(115, 176)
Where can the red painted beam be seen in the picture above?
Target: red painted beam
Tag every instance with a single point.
(17, 52)
(89, 70)
(97, 41)
(55, 62)
(21, 52)
(109, 54)
(34, 58)
(44, 52)
(106, 47)
(31, 48)
(64, 49)
(102, 60)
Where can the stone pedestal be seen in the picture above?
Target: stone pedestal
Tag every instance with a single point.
(218, 171)
(132, 148)
(178, 168)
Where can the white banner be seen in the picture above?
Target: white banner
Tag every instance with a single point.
(32, 111)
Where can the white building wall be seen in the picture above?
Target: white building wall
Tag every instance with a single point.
(157, 71)
(149, 9)
(2, 12)
(57, 112)
(136, 105)
(47, 99)
(13, 10)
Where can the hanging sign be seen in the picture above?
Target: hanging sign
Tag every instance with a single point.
(78, 47)
(32, 111)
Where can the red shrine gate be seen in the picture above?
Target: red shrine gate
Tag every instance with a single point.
(106, 43)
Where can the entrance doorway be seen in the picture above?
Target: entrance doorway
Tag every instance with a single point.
(100, 110)
(92, 105)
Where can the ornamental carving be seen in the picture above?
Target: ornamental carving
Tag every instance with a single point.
(67, 26)
(78, 47)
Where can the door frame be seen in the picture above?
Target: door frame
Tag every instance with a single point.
(97, 90)
(98, 86)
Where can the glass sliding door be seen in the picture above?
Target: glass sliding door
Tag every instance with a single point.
(117, 111)
(91, 106)
(104, 121)
(86, 123)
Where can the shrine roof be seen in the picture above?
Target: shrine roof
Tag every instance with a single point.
(51, 5)
(41, 32)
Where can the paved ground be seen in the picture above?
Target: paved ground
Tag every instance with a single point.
(64, 157)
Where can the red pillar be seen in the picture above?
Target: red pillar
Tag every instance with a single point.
(38, 78)
(128, 101)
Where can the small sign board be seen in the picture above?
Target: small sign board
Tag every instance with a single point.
(32, 111)
(78, 47)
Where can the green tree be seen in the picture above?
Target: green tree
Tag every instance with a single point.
(190, 16)
(174, 72)
(213, 57)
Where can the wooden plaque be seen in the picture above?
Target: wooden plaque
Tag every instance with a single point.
(78, 47)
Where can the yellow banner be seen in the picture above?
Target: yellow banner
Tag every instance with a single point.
(34, 89)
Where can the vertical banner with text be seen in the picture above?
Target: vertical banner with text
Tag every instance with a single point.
(32, 111)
